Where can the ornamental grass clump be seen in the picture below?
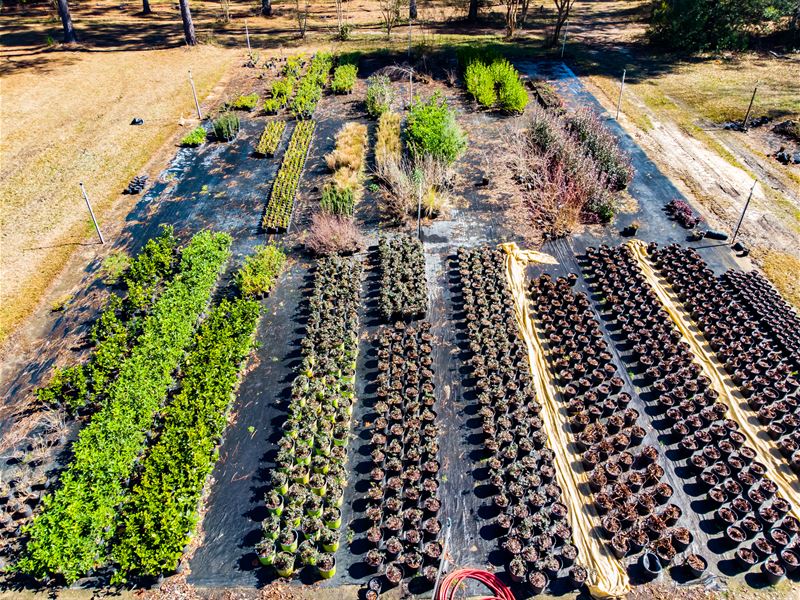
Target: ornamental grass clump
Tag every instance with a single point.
(346, 185)
(226, 127)
(603, 147)
(496, 84)
(380, 95)
(388, 145)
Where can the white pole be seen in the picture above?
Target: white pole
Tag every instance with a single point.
(622, 87)
(247, 35)
(91, 212)
(194, 93)
(564, 44)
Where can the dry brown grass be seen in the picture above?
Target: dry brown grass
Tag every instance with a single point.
(74, 125)
(782, 270)
(387, 138)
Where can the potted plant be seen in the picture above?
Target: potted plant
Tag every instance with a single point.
(284, 564)
(271, 527)
(266, 552)
(288, 541)
(332, 517)
(274, 502)
(308, 553)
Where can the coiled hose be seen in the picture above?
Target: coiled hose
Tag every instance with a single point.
(450, 584)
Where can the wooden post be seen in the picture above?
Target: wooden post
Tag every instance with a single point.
(744, 210)
(194, 93)
(621, 87)
(91, 212)
(750, 107)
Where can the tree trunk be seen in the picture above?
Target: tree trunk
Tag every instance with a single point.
(266, 8)
(66, 20)
(146, 10)
(412, 9)
(473, 11)
(188, 26)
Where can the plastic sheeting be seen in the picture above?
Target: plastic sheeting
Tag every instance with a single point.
(607, 575)
(766, 451)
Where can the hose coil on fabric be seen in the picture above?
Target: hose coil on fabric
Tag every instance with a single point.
(452, 583)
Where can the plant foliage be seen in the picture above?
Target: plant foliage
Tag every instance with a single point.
(260, 271)
(281, 201)
(404, 288)
(270, 138)
(344, 79)
(195, 137)
(226, 126)
(380, 95)
(432, 130)
(245, 102)
(69, 537)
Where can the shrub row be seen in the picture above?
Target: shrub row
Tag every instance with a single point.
(281, 200)
(404, 289)
(161, 510)
(270, 138)
(344, 79)
(244, 102)
(69, 537)
(496, 84)
(282, 89)
(115, 331)
(259, 271)
(310, 89)
(195, 137)
(346, 185)
(308, 481)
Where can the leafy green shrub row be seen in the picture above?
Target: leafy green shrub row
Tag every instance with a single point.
(281, 199)
(344, 79)
(496, 84)
(116, 329)
(69, 537)
(310, 89)
(161, 510)
(195, 137)
(380, 95)
(259, 271)
(226, 127)
(432, 130)
(308, 481)
(245, 102)
(270, 138)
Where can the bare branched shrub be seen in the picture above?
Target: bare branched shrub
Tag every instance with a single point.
(410, 183)
(603, 147)
(333, 234)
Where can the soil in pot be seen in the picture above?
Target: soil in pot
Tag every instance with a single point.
(695, 565)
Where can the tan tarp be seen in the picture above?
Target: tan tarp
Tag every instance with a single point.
(766, 451)
(607, 576)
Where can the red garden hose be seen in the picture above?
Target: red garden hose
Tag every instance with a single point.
(450, 585)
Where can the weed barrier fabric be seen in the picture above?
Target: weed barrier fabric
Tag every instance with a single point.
(608, 577)
(766, 451)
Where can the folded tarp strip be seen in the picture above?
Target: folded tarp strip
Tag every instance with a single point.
(607, 576)
(767, 452)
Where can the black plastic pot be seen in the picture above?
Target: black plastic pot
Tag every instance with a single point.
(650, 565)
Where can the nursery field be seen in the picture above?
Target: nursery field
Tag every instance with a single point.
(375, 343)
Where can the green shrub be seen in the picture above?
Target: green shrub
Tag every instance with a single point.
(379, 95)
(281, 199)
(511, 94)
(432, 130)
(282, 89)
(272, 106)
(195, 137)
(226, 127)
(344, 79)
(259, 272)
(67, 387)
(114, 265)
(246, 102)
(480, 83)
(154, 518)
(69, 537)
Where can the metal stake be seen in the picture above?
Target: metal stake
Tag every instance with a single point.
(622, 87)
(194, 93)
(247, 35)
(744, 210)
(749, 108)
(91, 212)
